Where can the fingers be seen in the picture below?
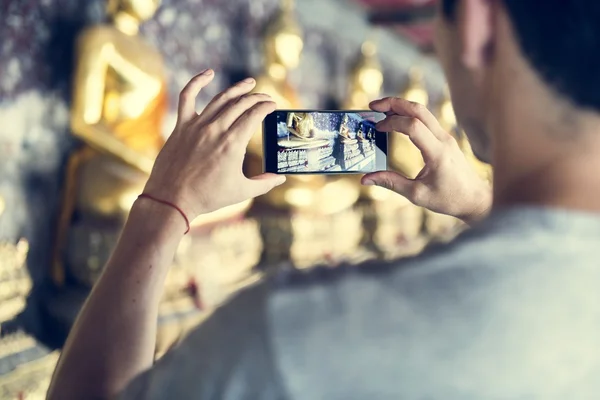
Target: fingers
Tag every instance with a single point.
(409, 109)
(230, 114)
(187, 97)
(249, 122)
(390, 180)
(226, 97)
(417, 132)
(264, 183)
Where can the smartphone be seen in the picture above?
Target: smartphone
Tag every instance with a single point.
(324, 142)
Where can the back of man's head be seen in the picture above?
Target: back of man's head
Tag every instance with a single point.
(533, 64)
(560, 39)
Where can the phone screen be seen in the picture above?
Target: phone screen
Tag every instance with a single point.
(324, 142)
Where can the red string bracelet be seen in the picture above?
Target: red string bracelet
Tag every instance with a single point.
(168, 203)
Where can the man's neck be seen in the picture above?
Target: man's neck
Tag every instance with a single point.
(536, 164)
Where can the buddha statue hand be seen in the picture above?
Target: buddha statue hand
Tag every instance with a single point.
(200, 167)
(448, 184)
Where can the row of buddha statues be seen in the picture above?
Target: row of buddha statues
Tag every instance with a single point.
(118, 106)
(119, 102)
(400, 227)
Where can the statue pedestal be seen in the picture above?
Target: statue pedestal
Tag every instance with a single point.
(212, 262)
(307, 240)
(394, 227)
(442, 227)
(217, 260)
(26, 367)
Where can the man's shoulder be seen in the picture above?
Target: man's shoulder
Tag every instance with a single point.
(476, 274)
(509, 243)
(469, 315)
(473, 247)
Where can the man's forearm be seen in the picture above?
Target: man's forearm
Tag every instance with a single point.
(113, 339)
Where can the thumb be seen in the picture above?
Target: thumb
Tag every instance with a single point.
(389, 180)
(264, 183)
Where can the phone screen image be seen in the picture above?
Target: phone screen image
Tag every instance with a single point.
(324, 142)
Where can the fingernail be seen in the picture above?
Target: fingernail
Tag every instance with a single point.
(368, 182)
(248, 80)
(281, 179)
(207, 72)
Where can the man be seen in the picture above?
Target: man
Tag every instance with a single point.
(510, 310)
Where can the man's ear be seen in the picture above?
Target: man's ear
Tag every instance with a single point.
(476, 30)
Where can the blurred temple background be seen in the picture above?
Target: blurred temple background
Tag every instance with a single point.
(87, 99)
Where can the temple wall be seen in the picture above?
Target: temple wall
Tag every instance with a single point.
(36, 59)
(37, 55)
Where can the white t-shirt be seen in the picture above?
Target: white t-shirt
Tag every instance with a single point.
(509, 310)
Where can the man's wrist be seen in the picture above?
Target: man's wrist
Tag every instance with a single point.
(146, 247)
(158, 219)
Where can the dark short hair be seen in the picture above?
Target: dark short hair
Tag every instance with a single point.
(561, 40)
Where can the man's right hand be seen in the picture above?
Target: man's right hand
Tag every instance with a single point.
(448, 184)
(200, 167)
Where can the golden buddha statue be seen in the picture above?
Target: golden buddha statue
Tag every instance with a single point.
(290, 213)
(301, 125)
(119, 101)
(360, 134)
(366, 79)
(393, 223)
(365, 84)
(405, 158)
(283, 44)
(345, 131)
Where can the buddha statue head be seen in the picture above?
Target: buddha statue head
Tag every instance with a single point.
(345, 120)
(416, 91)
(366, 78)
(283, 42)
(128, 14)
